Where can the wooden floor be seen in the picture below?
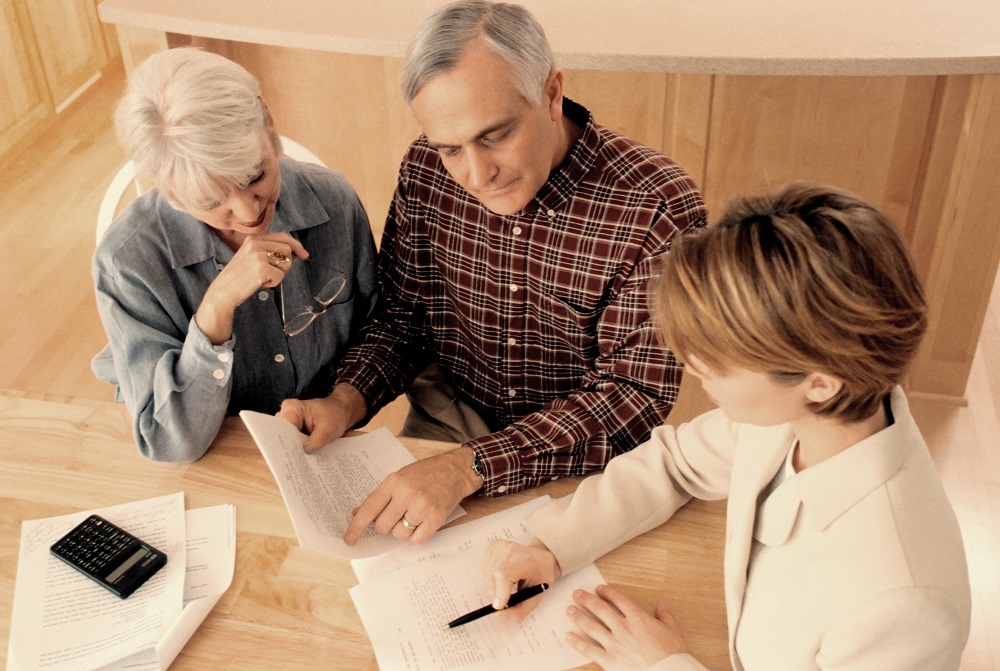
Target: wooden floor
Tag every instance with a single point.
(49, 197)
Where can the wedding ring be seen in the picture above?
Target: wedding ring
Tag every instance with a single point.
(408, 524)
(277, 257)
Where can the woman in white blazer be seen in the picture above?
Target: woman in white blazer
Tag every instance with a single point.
(800, 313)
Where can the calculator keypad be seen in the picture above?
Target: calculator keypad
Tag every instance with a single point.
(96, 546)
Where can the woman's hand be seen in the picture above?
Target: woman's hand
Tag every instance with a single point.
(508, 565)
(622, 636)
(261, 262)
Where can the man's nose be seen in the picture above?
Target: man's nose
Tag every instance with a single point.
(481, 168)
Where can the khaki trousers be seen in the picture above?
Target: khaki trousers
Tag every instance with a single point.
(437, 413)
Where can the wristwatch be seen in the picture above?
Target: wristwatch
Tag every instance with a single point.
(477, 466)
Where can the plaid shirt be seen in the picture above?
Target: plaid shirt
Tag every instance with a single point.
(539, 319)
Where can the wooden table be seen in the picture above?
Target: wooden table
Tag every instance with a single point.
(289, 608)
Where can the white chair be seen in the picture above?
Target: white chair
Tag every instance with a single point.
(294, 150)
(115, 197)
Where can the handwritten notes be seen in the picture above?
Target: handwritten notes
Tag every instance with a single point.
(322, 489)
(62, 621)
(406, 596)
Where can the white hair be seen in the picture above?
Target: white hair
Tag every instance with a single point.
(509, 30)
(193, 123)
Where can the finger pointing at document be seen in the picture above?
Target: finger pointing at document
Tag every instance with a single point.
(415, 501)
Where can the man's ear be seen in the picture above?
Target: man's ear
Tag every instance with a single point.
(821, 387)
(552, 95)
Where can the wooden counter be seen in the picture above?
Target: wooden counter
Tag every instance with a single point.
(289, 608)
(906, 113)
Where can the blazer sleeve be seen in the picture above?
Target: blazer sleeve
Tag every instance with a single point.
(639, 490)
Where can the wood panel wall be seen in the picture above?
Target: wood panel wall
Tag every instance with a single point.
(923, 149)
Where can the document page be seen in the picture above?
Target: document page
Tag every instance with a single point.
(63, 621)
(404, 613)
(322, 489)
(211, 559)
(211, 562)
(407, 596)
(505, 525)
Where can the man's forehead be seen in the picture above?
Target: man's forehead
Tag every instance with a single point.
(455, 135)
(468, 99)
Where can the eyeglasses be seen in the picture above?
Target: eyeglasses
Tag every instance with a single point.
(324, 297)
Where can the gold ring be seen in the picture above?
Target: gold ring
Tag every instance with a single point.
(277, 256)
(408, 524)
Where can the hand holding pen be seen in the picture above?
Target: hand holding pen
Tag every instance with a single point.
(508, 565)
(515, 598)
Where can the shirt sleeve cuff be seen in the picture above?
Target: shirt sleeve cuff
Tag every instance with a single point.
(201, 360)
(500, 461)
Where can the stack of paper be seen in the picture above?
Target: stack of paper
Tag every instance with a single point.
(63, 621)
(408, 592)
(406, 597)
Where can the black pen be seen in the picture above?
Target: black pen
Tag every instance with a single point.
(515, 598)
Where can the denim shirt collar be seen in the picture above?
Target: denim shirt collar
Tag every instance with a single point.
(189, 245)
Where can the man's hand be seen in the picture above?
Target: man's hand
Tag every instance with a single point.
(325, 419)
(508, 565)
(415, 501)
(622, 636)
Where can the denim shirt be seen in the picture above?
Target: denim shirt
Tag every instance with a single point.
(152, 270)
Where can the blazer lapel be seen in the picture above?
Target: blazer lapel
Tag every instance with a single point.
(758, 456)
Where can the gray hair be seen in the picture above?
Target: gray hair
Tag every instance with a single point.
(192, 122)
(510, 31)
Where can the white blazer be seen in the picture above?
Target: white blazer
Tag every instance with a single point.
(854, 563)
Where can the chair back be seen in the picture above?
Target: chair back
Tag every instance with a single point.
(112, 202)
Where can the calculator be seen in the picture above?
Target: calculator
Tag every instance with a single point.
(109, 555)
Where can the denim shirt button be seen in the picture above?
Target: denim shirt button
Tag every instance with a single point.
(262, 295)
(218, 374)
(279, 357)
(223, 357)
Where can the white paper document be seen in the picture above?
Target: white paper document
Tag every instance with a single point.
(505, 525)
(322, 489)
(63, 621)
(407, 596)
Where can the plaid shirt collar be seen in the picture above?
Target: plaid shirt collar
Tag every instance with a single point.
(564, 180)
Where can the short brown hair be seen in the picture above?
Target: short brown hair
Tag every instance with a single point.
(810, 279)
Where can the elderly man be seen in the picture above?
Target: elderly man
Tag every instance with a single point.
(515, 265)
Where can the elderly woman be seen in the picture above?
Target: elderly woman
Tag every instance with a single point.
(238, 281)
